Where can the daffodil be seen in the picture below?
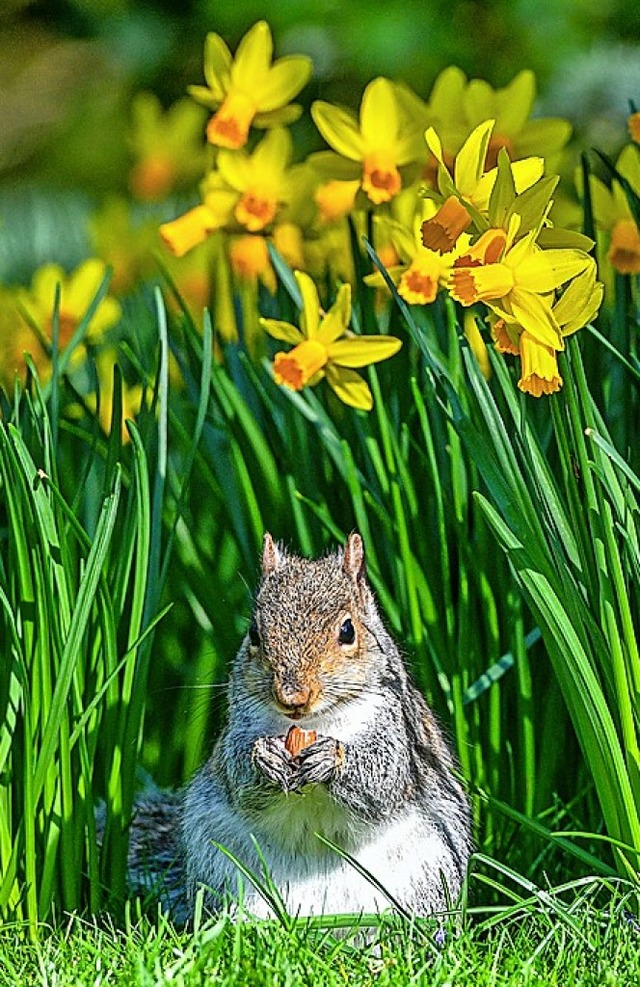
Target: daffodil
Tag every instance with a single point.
(421, 271)
(517, 280)
(375, 148)
(634, 127)
(249, 89)
(77, 292)
(577, 305)
(456, 106)
(245, 192)
(324, 347)
(465, 194)
(29, 312)
(612, 213)
(167, 146)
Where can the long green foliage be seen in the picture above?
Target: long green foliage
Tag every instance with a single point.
(502, 541)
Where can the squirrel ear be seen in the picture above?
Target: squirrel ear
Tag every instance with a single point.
(271, 556)
(353, 562)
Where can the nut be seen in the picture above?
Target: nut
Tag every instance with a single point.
(298, 739)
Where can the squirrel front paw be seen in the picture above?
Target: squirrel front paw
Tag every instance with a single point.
(316, 763)
(274, 761)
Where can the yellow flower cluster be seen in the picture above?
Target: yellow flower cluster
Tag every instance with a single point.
(538, 282)
(453, 190)
(457, 186)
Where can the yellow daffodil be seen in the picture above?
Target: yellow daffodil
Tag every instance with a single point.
(102, 402)
(422, 271)
(633, 124)
(77, 292)
(374, 149)
(249, 89)
(246, 192)
(30, 314)
(612, 213)
(517, 280)
(466, 192)
(323, 347)
(577, 305)
(457, 105)
(167, 146)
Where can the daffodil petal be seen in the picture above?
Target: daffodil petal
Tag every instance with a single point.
(434, 144)
(378, 114)
(282, 330)
(339, 128)
(285, 79)
(82, 287)
(235, 168)
(349, 387)
(447, 94)
(310, 313)
(45, 281)
(217, 66)
(281, 117)
(546, 270)
(333, 167)
(550, 133)
(526, 172)
(360, 351)
(469, 165)
(204, 96)
(273, 153)
(253, 57)
(337, 318)
(514, 103)
(534, 314)
(579, 302)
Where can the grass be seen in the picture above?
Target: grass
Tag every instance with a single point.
(548, 943)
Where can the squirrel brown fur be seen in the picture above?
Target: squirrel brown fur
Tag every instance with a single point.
(378, 780)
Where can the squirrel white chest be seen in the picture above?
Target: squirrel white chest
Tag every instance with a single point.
(289, 825)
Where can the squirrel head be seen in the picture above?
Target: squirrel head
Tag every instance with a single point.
(308, 646)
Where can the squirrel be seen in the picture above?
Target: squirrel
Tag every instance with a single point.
(325, 735)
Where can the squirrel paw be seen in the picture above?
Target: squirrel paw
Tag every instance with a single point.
(316, 763)
(274, 761)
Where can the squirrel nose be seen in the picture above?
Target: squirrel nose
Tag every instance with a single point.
(292, 699)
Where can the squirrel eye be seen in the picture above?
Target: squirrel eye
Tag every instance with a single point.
(254, 635)
(347, 632)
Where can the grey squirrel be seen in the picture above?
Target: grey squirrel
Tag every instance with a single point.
(325, 734)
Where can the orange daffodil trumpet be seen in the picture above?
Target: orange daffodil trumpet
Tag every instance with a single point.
(324, 347)
(249, 89)
(375, 148)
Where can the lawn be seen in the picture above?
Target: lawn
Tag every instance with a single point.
(539, 945)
